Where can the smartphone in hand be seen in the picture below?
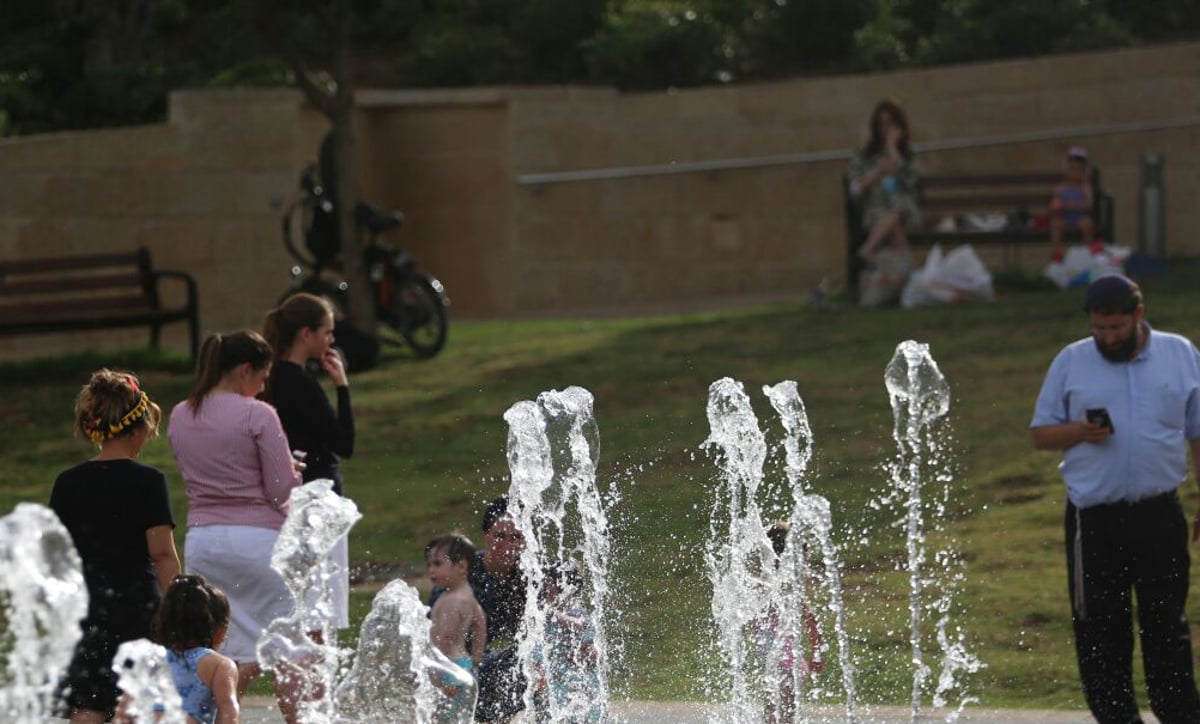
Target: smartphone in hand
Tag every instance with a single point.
(1099, 416)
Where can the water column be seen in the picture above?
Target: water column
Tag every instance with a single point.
(810, 520)
(553, 446)
(920, 396)
(760, 597)
(45, 598)
(146, 683)
(398, 675)
(317, 518)
(738, 543)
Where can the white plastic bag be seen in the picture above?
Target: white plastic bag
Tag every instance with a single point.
(956, 277)
(1080, 265)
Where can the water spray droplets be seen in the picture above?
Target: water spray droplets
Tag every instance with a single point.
(41, 581)
(758, 595)
(920, 398)
(553, 450)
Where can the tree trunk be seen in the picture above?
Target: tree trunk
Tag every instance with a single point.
(361, 299)
(338, 106)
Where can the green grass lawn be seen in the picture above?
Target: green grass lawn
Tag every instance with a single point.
(431, 452)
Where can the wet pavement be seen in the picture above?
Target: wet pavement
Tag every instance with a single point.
(261, 710)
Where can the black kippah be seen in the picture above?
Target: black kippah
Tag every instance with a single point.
(1113, 293)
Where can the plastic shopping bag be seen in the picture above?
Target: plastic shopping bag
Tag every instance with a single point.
(955, 277)
(1081, 264)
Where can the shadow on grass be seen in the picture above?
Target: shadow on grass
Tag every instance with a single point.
(80, 364)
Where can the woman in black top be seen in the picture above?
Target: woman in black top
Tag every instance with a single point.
(299, 330)
(119, 517)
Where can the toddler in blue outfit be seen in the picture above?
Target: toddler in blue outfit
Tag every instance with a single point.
(1071, 205)
(192, 621)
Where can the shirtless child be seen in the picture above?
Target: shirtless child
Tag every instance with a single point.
(457, 618)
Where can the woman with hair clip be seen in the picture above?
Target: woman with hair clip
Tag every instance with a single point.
(238, 470)
(119, 517)
(299, 330)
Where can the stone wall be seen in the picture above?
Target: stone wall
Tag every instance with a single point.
(202, 192)
(657, 238)
(205, 189)
(442, 158)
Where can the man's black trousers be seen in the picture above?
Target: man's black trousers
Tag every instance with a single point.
(1118, 553)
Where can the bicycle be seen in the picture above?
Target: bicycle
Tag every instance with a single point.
(411, 304)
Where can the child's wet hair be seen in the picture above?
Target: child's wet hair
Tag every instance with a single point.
(778, 533)
(190, 612)
(456, 546)
(111, 405)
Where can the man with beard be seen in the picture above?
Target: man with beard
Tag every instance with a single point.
(1124, 407)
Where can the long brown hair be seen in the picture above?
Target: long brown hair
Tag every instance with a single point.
(875, 141)
(283, 324)
(220, 353)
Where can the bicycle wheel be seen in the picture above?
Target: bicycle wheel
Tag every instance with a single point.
(417, 312)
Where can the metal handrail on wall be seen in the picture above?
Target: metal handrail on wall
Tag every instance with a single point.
(790, 159)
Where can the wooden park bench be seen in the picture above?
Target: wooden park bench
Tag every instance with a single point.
(92, 291)
(1017, 197)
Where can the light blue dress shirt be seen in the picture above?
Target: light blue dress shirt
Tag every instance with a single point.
(1154, 403)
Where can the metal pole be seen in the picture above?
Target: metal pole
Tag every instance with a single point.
(1152, 235)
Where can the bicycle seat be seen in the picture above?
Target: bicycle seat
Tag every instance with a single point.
(374, 220)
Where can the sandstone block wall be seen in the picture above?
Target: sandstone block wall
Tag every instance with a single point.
(727, 233)
(200, 192)
(205, 189)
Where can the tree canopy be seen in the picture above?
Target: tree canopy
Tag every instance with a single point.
(80, 64)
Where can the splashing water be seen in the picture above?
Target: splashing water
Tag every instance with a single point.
(756, 591)
(810, 521)
(41, 583)
(398, 674)
(920, 396)
(317, 519)
(553, 447)
(149, 688)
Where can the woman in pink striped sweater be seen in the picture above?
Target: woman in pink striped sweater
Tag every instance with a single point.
(234, 458)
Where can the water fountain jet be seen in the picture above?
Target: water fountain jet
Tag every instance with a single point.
(318, 517)
(396, 666)
(920, 397)
(553, 448)
(41, 582)
(753, 588)
(145, 680)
